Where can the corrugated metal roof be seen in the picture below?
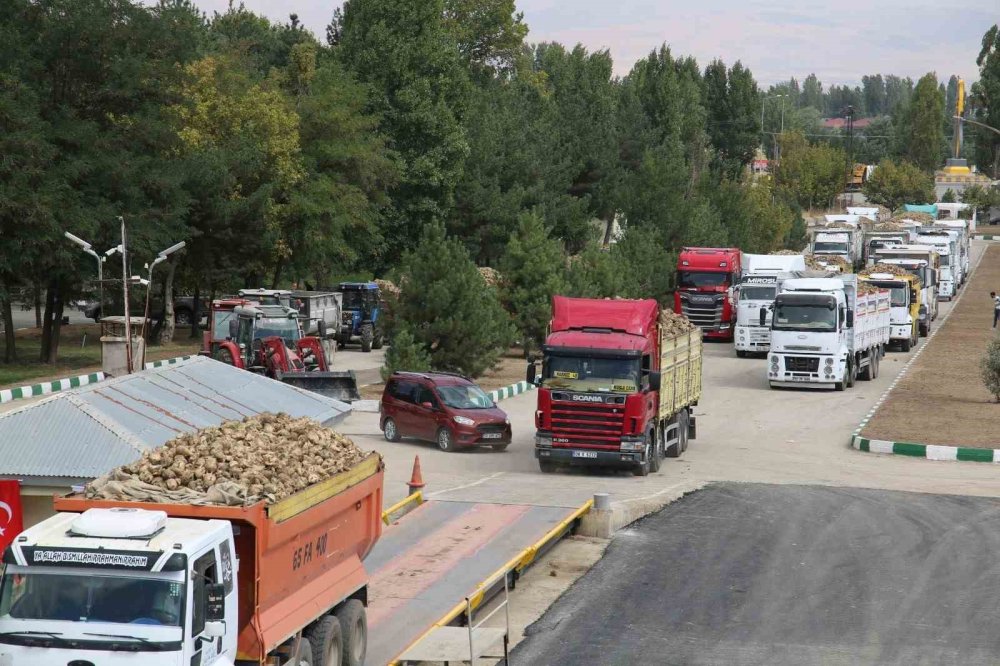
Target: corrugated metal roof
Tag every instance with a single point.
(85, 432)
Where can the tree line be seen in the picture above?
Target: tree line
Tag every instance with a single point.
(285, 157)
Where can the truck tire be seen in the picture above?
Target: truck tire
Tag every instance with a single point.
(673, 450)
(740, 353)
(306, 657)
(642, 469)
(354, 630)
(327, 641)
(852, 373)
(905, 345)
(878, 362)
(656, 454)
(683, 421)
(866, 374)
(367, 337)
(546, 466)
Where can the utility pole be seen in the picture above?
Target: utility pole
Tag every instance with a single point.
(128, 321)
(849, 114)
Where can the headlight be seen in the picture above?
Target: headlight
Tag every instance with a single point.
(463, 420)
(633, 446)
(774, 361)
(507, 420)
(543, 442)
(829, 361)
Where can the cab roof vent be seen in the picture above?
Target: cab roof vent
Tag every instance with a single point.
(119, 523)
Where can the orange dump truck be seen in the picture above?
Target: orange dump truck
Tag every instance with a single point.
(107, 583)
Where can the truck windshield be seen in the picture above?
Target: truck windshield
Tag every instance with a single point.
(694, 279)
(804, 317)
(76, 598)
(592, 374)
(464, 397)
(757, 293)
(830, 247)
(281, 327)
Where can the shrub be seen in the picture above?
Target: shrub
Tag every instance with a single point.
(405, 353)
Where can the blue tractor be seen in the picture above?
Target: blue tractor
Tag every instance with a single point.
(362, 318)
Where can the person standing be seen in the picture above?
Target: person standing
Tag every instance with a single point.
(996, 307)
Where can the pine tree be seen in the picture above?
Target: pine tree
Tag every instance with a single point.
(533, 272)
(926, 145)
(595, 273)
(449, 308)
(405, 353)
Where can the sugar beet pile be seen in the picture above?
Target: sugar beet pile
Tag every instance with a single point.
(266, 457)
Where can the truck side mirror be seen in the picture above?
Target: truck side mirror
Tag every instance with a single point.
(215, 602)
(530, 374)
(763, 316)
(234, 327)
(654, 381)
(850, 318)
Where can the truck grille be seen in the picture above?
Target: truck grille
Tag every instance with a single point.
(702, 314)
(801, 364)
(587, 425)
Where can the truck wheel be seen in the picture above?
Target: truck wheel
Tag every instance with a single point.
(683, 421)
(547, 466)
(866, 374)
(444, 440)
(327, 640)
(354, 629)
(852, 374)
(905, 345)
(673, 450)
(655, 454)
(878, 362)
(642, 469)
(306, 657)
(740, 353)
(390, 431)
(367, 337)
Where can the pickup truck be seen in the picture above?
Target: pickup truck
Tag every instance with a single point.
(114, 583)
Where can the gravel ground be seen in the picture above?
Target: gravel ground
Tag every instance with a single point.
(942, 400)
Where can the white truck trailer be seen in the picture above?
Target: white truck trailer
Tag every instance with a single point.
(825, 334)
(960, 230)
(756, 291)
(950, 276)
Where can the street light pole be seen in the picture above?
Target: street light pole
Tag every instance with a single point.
(160, 258)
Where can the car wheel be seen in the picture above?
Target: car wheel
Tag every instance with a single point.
(444, 440)
(390, 431)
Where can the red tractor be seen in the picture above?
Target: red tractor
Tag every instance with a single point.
(268, 339)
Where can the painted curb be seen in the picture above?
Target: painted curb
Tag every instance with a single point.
(511, 391)
(45, 388)
(986, 237)
(56, 385)
(914, 450)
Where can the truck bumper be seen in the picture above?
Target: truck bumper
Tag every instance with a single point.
(900, 332)
(802, 384)
(589, 457)
(753, 339)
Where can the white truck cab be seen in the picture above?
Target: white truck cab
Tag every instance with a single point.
(120, 586)
(755, 294)
(833, 243)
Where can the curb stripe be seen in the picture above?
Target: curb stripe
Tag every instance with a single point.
(57, 385)
(510, 391)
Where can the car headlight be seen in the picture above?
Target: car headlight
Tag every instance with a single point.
(507, 420)
(463, 420)
(829, 361)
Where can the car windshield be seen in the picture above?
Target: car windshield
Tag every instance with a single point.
(620, 375)
(75, 598)
(281, 327)
(830, 248)
(467, 396)
(220, 324)
(757, 293)
(804, 317)
(688, 279)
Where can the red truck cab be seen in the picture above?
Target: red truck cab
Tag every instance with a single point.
(598, 384)
(705, 278)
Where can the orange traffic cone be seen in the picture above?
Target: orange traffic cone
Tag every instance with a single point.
(416, 479)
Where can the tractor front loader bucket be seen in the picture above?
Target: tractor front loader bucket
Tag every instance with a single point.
(342, 386)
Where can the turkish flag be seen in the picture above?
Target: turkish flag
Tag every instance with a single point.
(11, 522)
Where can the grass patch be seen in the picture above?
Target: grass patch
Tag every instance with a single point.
(79, 354)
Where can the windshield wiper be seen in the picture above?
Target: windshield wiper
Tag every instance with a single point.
(50, 634)
(134, 638)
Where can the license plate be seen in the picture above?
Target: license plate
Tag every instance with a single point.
(799, 379)
(585, 454)
(491, 435)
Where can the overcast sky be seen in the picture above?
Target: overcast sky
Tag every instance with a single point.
(776, 39)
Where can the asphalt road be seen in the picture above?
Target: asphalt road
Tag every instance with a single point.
(766, 574)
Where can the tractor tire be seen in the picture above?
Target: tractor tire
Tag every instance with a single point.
(224, 356)
(182, 318)
(354, 630)
(378, 341)
(367, 337)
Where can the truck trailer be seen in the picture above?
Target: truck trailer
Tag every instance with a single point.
(103, 583)
(757, 290)
(825, 334)
(616, 387)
